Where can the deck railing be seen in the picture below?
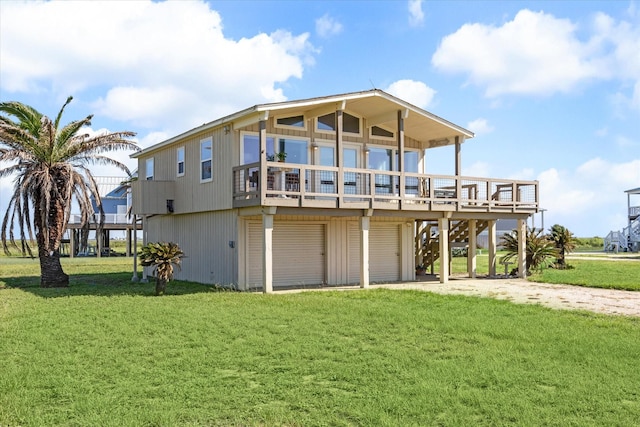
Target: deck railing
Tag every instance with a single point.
(108, 219)
(289, 184)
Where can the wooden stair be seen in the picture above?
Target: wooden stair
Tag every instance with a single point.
(429, 243)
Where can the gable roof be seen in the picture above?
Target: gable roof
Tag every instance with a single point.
(376, 105)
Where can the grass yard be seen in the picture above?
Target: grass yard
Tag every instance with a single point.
(105, 352)
(595, 273)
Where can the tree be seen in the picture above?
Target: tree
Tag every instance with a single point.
(162, 256)
(539, 250)
(564, 242)
(50, 164)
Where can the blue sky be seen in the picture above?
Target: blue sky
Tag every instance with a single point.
(551, 89)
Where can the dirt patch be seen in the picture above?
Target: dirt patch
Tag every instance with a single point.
(521, 291)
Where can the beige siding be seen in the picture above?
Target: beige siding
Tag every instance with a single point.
(192, 195)
(204, 238)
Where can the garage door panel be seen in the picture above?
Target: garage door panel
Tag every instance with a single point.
(299, 254)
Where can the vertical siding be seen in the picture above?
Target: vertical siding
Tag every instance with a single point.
(190, 194)
(204, 238)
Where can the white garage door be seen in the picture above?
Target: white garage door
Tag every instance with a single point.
(298, 254)
(384, 252)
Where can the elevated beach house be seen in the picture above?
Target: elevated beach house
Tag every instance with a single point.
(321, 191)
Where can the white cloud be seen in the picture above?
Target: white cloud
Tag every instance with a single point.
(416, 15)
(417, 93)
(539, 54)
(592, 194)
(327, 26)
(635, 99)
(477, 169)
(171, 58)
(480, 126)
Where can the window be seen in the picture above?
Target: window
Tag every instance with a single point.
(380, 159)
(180, 160)
(411, 161)
(149, 169)
(379, 132)
(297, 150)
(206, 148)
(350, 124)
(293, 121)
(251, 148)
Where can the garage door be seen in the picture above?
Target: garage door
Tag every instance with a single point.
(298, 254)
(384, 252)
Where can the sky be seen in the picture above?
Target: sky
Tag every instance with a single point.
(551, 89)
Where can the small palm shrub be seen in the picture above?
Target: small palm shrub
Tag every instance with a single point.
(564, 242)
(162, 256)
(540, 250)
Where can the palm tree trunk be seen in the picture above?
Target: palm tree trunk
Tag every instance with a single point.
(51, 274)
(161, 286)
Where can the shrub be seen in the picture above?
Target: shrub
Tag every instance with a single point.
(162, 256)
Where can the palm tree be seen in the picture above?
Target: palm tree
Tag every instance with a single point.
(50, 163)
(162, 256)
(564, 242)
(539, 250)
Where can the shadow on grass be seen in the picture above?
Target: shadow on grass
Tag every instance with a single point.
(106, 284)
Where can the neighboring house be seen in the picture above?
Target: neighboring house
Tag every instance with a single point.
(629, 238)
(116, 205)
(326, 190)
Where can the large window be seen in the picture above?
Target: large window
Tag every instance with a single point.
(350, 124)
(251, 148)
(297, 150)
(148, 169)
(380, 159)
(291, 122)
(206, 148)
(380, 133)
(180, 161)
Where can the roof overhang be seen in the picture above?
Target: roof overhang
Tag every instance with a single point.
(377, 106)
(633, 191)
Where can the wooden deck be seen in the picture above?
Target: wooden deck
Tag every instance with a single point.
(332, 187)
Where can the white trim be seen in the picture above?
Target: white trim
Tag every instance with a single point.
(276, 125)
(382, 138)
(202, 160)
(149, 161)
(344, 132)
(184, 164)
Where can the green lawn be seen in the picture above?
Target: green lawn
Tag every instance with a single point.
(105, 352)
(595, 273)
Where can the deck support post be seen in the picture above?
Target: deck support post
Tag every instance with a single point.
(471, 250)
(128, 240)
(72, 243)
(340, 155)
(267, 250)
(492, 247)
(262, 142)
(135, 277)
(145, 240)
(443, 230)
(401, 165)
(522, 248)
(365, 224)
